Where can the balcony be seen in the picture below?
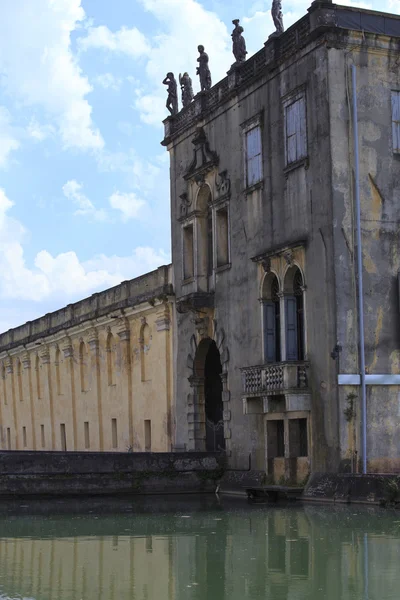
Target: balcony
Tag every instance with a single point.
(261, 383)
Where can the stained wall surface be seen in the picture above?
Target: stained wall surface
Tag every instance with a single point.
(93, 376)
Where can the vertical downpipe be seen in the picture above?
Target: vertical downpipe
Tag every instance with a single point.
(360, 271)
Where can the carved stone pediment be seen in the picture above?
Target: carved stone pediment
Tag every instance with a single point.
(204, 159)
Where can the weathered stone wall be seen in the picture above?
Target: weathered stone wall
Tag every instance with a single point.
(376, 60)
(77, 473)
(290, 207)
(88, 376)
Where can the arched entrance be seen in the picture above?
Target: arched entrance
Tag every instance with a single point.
(208, 370)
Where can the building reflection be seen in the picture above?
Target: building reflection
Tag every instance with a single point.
(262, 553)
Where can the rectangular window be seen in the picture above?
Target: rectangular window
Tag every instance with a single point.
(63, 437)
(295, 129)
(114, 433)
(8, 438)
(210, 245)
(298, 442)
(253, 156)
(42, 436)
(87, 436)
(271, 334)
(147, 436)
(24, 437)
(276, 438)
(291, 326)
(222, 237)
(188, 255)
(396, 121)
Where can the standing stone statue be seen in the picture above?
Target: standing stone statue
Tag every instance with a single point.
(277, 16)
(186, 88)
(238, 42)
(203, 71)
(172, 100)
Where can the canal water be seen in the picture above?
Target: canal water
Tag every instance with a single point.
(197, 549)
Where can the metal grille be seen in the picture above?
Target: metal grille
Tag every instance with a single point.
(215, 439)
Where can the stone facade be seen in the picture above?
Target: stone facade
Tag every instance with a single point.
(96, 375)
(264, 251)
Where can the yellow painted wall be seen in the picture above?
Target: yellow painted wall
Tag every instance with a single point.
(116, 369)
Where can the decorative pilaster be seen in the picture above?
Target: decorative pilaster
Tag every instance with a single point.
(94, 346)
(27, 364)
(196, 414)
(124, 334)
(68, 352)
(44, 354)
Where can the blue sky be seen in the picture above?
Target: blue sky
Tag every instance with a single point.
(84, 190)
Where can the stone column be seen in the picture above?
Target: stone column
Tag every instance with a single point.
(94, 346)
(26, 362)
(47, 386)
(124, 335)
(163, 325)
(197, 414)
(10, 371)
(69, 359)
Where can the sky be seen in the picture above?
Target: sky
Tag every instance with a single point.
(84, 181)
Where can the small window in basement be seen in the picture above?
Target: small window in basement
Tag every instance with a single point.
(188, 254)
(276, 438)
(298, 442)
(222, 237)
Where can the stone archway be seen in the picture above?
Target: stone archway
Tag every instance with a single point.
(209, 401)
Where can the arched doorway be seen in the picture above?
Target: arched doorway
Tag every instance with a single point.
(213, 405)
(207, 371)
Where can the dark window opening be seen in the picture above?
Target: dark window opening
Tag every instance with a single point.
(215, 438)
(210, 245)
(276, 438)
(298, 438)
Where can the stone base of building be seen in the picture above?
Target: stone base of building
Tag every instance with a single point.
(381, 489)
(80, 474)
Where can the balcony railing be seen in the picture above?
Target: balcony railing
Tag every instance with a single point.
(274, 378)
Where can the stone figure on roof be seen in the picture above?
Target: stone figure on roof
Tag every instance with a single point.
(277, 16)
(238, 42)
(186, 88)
(172, 90)
(203, 70)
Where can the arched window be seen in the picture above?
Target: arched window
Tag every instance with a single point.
(145, 342)
(38, 379)
(19, 379)
(271, 319)
(58, 375)
(294, 314)
(83, 364)
(111, 358)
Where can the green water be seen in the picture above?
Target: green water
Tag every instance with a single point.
(197, 549)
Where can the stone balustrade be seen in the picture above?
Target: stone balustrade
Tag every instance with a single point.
(274, 378)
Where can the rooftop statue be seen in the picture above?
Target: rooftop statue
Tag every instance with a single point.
(186, 88)
(277, 16)
(203, 70)
(172, 99)
(238, 42)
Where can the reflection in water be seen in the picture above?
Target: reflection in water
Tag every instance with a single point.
(231, 552)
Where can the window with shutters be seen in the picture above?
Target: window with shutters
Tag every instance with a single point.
(271, 319)
(253, 156)
(295, 122)
(294, 315)
(396, 121)
(188, 252)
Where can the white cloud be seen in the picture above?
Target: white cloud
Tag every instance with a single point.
(40, 70)
(64, 277)
(73, 191)
(129, 204)
(125, 41)
(108, 81)
(8, 137)
(39, 132)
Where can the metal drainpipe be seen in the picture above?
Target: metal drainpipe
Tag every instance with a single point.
(360, 271)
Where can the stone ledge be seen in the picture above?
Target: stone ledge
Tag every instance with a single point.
(349, 488)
